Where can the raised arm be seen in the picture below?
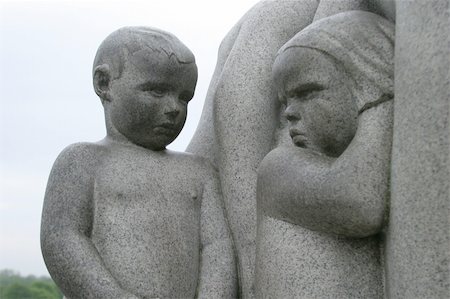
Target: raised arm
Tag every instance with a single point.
(218, 272)
(345, 195)
(69, 254)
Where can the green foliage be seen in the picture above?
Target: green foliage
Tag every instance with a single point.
(14, 286)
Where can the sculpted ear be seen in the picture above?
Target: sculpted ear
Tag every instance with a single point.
(102, 78)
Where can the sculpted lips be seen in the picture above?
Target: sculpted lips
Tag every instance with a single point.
(166, 129)
(298, 137)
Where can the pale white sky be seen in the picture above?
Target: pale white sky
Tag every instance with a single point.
(47, 101)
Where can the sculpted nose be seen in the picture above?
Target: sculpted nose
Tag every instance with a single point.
(172, 108)
(292, 114)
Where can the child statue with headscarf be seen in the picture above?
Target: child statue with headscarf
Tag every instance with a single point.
(322, 203)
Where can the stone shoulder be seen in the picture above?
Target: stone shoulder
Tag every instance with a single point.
(83, 157)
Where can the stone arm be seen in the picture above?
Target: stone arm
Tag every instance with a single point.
(218, 273)
(70, 256)
(345, 195)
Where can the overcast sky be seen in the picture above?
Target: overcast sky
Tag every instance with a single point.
(47, 101)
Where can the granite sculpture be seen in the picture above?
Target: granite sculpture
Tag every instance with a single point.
(323, 207)
(240, 123)
(241, 119)
(125, 217)
(322, 204)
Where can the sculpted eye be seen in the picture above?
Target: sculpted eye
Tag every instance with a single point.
(157, 92)
(304, 92)
(155, 89)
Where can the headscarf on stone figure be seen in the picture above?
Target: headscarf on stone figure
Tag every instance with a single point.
(363, 43)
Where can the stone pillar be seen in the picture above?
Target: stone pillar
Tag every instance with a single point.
(418, 236)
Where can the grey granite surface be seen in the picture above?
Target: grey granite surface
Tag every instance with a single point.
(124, 217)
(321, 204)
(326, 215)
(416, 265)
(240, 122)
(240, 118)
(418, 251)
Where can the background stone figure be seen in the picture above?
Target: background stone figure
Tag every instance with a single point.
(240, 119)
(321, 206)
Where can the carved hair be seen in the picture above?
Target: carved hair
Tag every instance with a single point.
(363, 44)
(129, 40)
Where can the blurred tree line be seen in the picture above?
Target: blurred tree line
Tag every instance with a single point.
(14, 286)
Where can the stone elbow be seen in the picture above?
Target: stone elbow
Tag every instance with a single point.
(366, 217)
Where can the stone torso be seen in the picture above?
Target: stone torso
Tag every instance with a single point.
(146, 222)
(300, 263)
(298, 259)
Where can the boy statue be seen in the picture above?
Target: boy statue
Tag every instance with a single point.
(125, 217)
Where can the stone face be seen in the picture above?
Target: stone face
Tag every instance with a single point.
(124, 217)
(418, 240)
(321, 205)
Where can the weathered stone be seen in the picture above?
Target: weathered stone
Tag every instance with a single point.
(124, 217)
(240, 122)
(239, 119)
(321, 206)
(418, 239)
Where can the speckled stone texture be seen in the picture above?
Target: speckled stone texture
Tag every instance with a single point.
(418, 251)
(124, 218)
(321, 205)
(240, 119)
